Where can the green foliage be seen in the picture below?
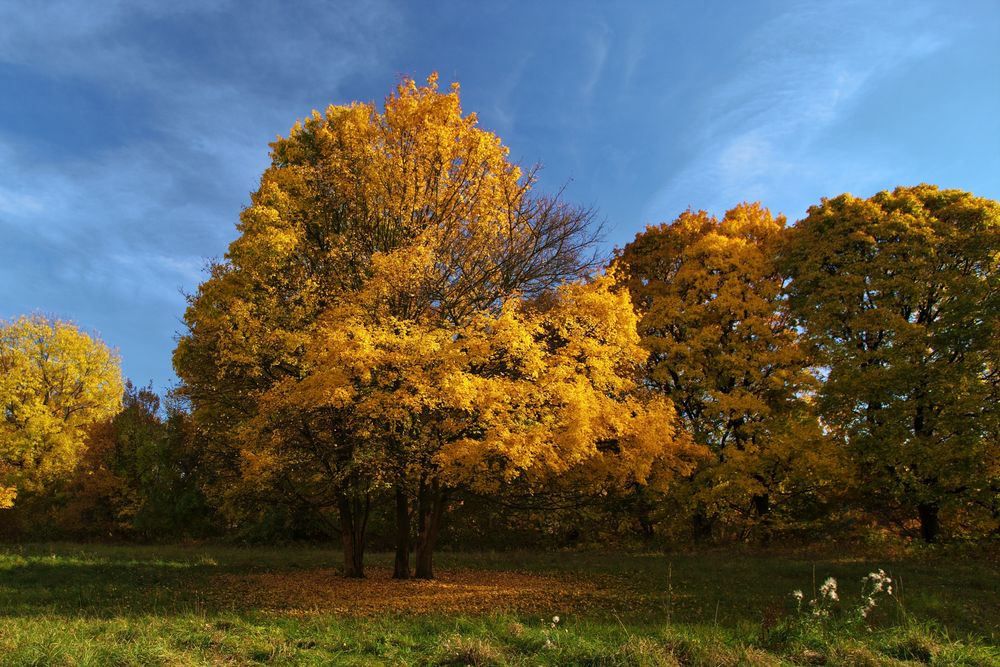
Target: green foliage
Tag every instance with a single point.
(899, 297)
(139, 477)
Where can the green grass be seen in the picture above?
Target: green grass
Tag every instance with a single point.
(68, 604)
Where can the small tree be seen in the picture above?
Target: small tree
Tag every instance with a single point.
(55, 381)
(139, 475)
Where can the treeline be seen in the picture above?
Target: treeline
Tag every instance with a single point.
(408, 345)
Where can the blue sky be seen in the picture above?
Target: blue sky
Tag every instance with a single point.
(133, 131)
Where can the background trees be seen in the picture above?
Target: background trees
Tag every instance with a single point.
(724, 349)
(898, 295)
(139, 476)
(55, 381)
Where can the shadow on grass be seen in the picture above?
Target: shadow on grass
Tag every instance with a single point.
(102, 589)
(109, 584)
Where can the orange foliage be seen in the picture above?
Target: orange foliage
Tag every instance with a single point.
(467, 592)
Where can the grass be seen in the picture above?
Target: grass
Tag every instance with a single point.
(65, 604)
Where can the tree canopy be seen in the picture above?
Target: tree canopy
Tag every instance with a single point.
(55, 381)
(898, 296)
(392, 316)
(406, 320)
(724, 349)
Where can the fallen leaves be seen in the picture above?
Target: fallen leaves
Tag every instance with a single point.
(467, 592)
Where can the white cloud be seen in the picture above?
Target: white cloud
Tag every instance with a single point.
(800, 74)
(598, 41)
(124, 226)
(14, 203)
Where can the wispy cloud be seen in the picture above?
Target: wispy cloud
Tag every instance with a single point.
(125, 225)
(801, 73)
(18, 203)
(598, 41)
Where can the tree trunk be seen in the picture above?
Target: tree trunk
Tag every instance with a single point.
(353, 526)
(930, 525)
(642, 508)
(432, 503)
(761, 504)
(401, 568)
(702, 526)
(646, 526)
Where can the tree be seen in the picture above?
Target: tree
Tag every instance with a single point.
(351, 193)
(55, 381)
(544, 393)
(900, 296)
(138, 476)
(724, 350)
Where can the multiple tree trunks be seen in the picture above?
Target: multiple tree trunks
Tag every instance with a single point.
(353, 529)
(432, 502)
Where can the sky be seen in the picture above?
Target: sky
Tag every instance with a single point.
(132, 132)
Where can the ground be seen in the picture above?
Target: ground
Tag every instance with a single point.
(193, 605)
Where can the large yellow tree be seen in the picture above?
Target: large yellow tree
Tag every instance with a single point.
(900, 296)
(55, 381)
(537, 395)
(351, 193)
(723, 348)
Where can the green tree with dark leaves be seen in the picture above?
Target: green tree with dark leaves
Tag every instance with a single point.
(899, 297)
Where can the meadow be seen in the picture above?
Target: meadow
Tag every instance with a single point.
(77, 604)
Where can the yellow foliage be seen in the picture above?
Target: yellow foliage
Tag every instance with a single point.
(723, 348)
(355, 315)
(54, 382)
(529, 394)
